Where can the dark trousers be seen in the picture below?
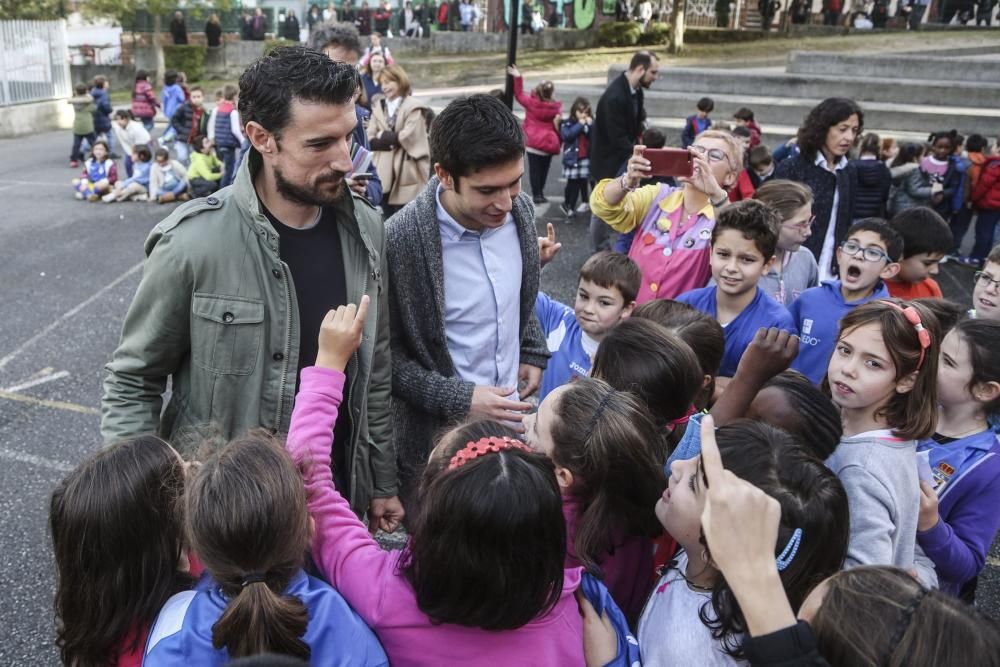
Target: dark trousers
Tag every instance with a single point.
(538, 172)
(831, 18)
(228, 156)
(986, 223)
(575, 188)
(202, 187)
(77, 154)
(960, 222)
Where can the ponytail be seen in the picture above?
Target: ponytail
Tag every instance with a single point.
(258, 620)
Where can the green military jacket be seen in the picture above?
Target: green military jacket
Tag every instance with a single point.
(216, 313)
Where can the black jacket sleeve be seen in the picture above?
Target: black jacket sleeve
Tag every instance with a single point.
(794, 646)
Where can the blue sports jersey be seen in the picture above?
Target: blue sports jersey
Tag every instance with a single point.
(564, 337)
(763, 311)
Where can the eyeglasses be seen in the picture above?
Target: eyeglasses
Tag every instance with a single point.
(805, 224)
(923, 335)
(986, 279)
(713, 154)
(869, 253)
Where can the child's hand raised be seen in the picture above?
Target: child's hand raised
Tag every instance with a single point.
(340, 335)
(770, 352)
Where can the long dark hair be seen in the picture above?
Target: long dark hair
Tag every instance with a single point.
(981, 336)
(117, 540)
(812, 499)
(488, 541)
(605, 438)
(247, 515)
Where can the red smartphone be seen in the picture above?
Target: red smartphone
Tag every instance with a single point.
(669, 161)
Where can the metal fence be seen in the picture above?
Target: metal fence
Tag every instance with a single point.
(34, 62)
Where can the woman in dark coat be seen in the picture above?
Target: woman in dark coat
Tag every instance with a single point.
(213, 31)
(290, 29)
(826, 136)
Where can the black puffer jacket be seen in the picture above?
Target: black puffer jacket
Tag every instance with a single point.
(872, 193)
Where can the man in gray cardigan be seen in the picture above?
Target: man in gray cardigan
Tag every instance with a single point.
(463, 261)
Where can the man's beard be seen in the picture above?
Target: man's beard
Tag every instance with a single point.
(310, 196)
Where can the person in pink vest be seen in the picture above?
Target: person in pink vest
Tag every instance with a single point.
(542, 116)
(673, 225)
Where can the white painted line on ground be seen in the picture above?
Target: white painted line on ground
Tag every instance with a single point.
(46, 403)
(31, 459)
(37, 381)
(68, 314)
(6, 181)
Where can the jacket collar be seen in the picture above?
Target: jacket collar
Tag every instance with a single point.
(246, 197)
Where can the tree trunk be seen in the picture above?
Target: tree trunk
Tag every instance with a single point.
(677, 26)
(158, 47)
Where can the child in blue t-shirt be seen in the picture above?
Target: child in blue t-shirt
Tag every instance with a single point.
(869, 256)
(743, 244)
(609, 282)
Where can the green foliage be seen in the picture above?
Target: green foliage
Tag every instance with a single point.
(187, 58)
(272, 44)
(31, 10)
(656, 33)
(614, 33)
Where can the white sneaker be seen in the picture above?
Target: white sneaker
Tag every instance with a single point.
(140, 197)
(78, 195)
(108, 198)
(583, 208)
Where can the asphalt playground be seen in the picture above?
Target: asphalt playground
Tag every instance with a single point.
(67, 276)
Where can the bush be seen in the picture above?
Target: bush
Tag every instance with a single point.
(614, 33)
(187, 58)
(272, 44)
(656, 33)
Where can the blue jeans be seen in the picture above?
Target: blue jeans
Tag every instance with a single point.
(128, 166)
(183, 151)
(986, 223)
(179, 187)
(228, 156)
(147, 123)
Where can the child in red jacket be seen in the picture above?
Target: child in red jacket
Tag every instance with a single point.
(542, 116)
(986, 201)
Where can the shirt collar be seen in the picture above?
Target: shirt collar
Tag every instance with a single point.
(450, 227)
(675, 200)
(821, 161)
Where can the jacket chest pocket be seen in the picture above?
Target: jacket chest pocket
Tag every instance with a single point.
(225, 333)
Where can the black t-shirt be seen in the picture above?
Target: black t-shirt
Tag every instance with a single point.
(316, 262)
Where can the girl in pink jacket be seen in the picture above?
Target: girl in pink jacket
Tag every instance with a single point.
(542, 116)
(481, 580)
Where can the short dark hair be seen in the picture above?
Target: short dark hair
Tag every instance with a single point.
(814, 420)
(169, 77)
(269, 85)
(475, 132)
(741, 131)
(141, 75)
(642, 58)
(744, 114)
(199, 142)
(509, 500)
(143, 153)
(162, 152)
(757, 221)
(922, 230)
(994, 255)
(100, 80)
(823, 116)
(123, 113)
(80, 89)
(976, 143)
(706, 104)
(908, 153)
(196, 87)
(759, 156)
(613, 270)
(951, 135)
(336, 34)
(654, 137)
(890, 237)
(947, 312)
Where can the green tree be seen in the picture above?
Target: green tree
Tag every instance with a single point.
(32, 10)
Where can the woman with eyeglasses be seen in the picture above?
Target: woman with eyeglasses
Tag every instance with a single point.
(673, 224)
(826, 136)
(794, 269)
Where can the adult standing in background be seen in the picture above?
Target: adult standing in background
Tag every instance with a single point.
(258, 26)
(178, 28)
(290, 30)
(236, 285)
(824, 140)
(617, 127)
(213, 31)
(463, 257)
(313, 17)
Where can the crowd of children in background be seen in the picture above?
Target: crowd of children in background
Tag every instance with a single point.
(723, 443)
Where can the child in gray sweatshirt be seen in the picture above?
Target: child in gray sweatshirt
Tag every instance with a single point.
(883, 377)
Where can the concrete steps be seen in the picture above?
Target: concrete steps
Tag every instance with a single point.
(982, 68)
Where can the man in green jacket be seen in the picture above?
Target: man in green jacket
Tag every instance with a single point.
(236, 285)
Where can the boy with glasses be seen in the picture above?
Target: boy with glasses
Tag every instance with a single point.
(868, 257)
(986, 292)
(926, 240)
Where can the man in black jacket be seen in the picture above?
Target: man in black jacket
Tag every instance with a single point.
(178, 29)
(617, 127)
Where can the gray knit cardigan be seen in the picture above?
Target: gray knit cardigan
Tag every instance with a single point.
(427, 393)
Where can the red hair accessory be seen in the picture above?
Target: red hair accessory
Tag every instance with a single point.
(674, 423)
(484, 446)
(923, 335)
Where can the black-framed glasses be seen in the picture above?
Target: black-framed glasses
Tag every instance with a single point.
(713, 154)
(868, 253)
(987, 280)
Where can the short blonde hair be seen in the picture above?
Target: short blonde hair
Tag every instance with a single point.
(397, 74)
(733, 144)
